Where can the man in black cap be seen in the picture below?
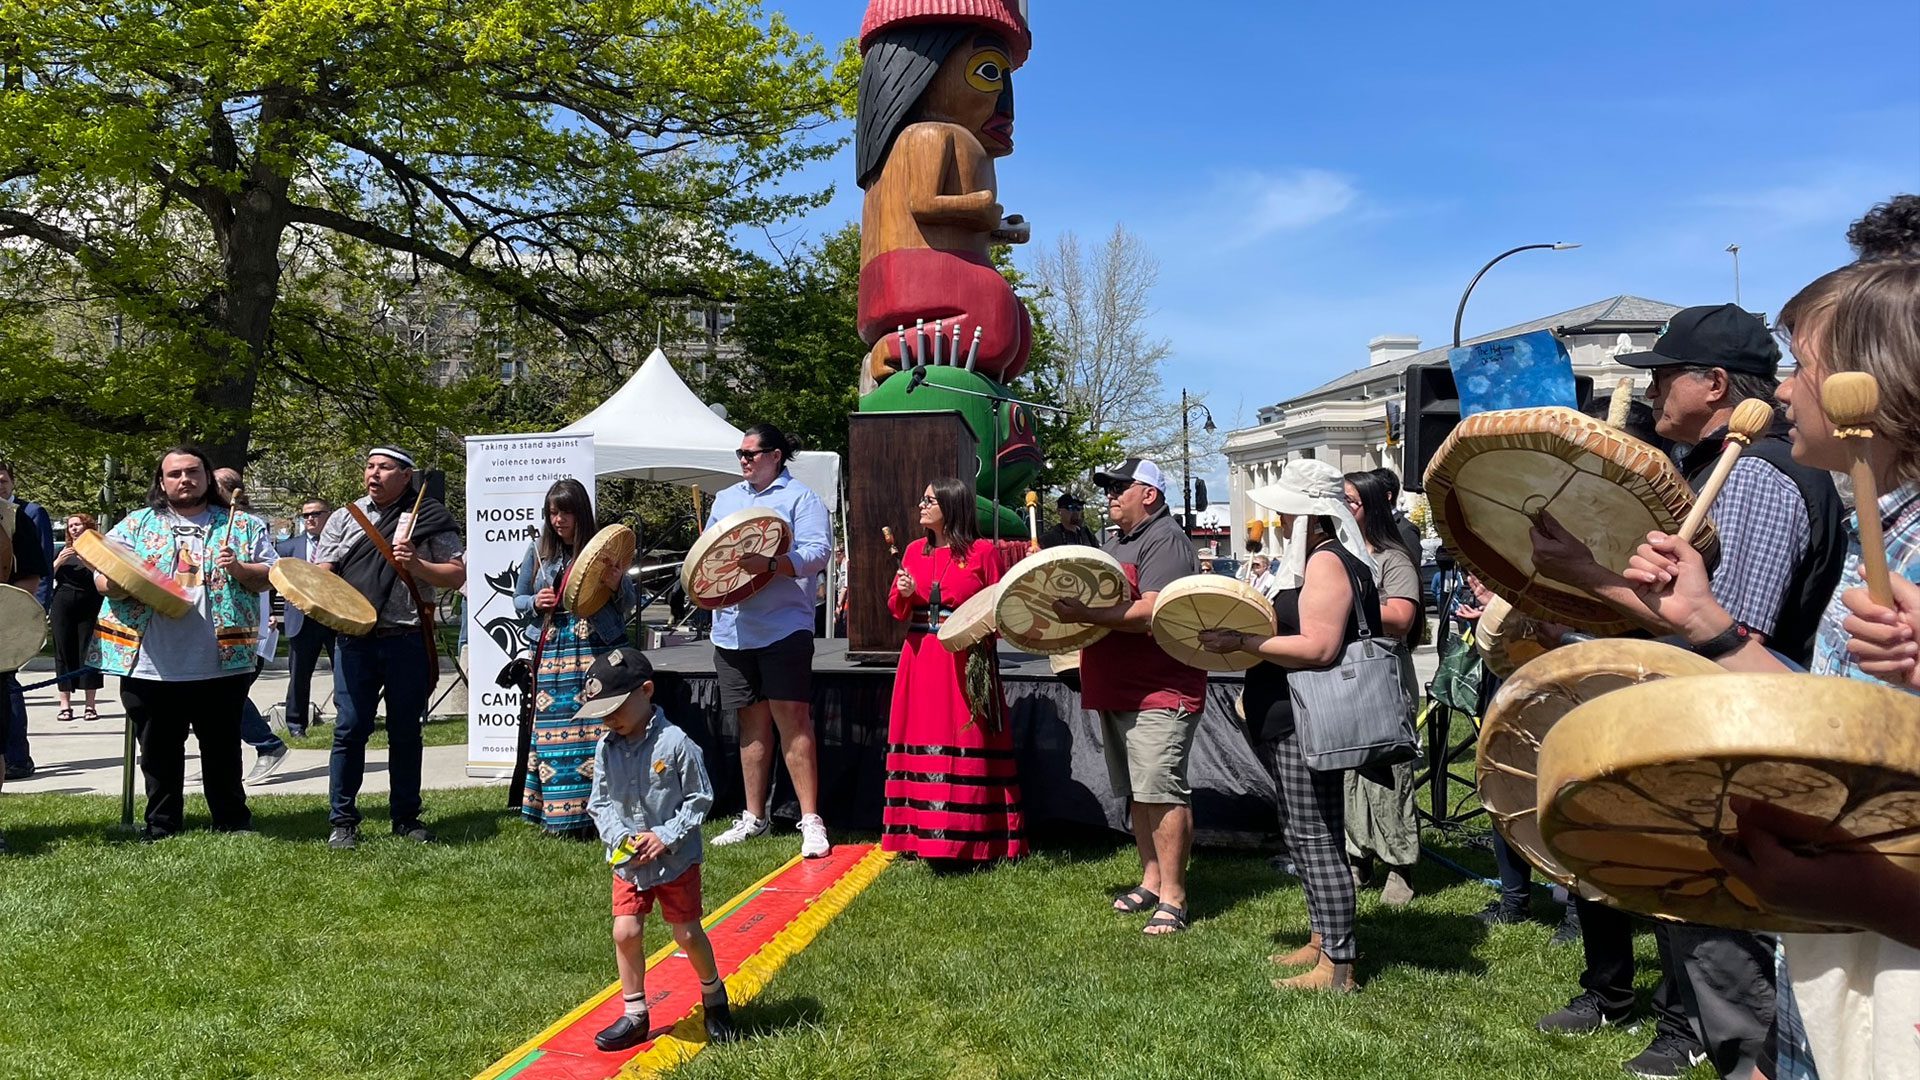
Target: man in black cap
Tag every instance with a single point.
(1782, 545)
(1068, 528)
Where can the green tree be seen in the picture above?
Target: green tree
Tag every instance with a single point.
(246, 183)
(794, 324)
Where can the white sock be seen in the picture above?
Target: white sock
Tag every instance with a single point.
(636, 1004)
(713, 991)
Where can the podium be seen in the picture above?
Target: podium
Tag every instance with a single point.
(891, 458)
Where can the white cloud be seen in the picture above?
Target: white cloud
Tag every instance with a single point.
(1265, 203)
(1834, 193)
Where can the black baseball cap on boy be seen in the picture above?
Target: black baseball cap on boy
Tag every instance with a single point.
(611, 679)
(1726, 336)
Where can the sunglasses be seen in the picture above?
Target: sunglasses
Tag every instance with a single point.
(1117, 488)
(313, 513)
(749, 455)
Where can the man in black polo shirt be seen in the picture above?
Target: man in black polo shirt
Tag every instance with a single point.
(1069, 528)
(1782, 546)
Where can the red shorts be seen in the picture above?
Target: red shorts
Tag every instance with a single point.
(679, 899)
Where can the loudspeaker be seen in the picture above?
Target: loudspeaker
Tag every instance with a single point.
(1433, 411)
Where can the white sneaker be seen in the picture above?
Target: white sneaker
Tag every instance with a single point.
(813, 837)
(746, 828)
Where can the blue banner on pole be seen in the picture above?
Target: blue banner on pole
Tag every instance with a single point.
(1513, 373)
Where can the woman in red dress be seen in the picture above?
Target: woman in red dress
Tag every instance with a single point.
(953, 793)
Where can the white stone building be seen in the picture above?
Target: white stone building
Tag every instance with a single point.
(1344, 422)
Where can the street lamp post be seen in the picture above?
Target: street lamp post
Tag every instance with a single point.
(1734, 250)
(1186, 454)
(1460, 312)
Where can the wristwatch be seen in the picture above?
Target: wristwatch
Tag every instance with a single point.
(1726, 642)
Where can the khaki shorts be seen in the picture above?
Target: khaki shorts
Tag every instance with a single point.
(1147, 753)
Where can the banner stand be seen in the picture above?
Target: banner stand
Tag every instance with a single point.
(507, 480)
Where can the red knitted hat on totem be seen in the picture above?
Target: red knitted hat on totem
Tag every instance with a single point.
(1007, 16)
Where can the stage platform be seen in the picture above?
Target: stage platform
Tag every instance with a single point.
(1057, 743)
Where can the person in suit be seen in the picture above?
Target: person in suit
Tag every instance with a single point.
(33, 528)
(306, 638)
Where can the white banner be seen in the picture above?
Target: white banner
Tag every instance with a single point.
(507, 479)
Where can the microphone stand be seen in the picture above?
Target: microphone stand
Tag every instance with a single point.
(999, 402)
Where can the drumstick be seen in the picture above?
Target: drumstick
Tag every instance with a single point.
(696, 507)
(1621, 406)
(1751, 419)
(892, 549)
(1850, 399)
(414, 516)
(1033, 521)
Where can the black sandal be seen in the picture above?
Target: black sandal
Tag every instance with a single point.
(1167, 919)
(1135, 900)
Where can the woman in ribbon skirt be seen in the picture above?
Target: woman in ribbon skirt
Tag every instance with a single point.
(953, 793)
(559, 776)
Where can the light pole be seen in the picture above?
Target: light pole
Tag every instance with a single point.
(1461, 311)
(1187, 406)
(1734, 250)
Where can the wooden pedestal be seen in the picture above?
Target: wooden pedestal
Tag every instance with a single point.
(891, 458)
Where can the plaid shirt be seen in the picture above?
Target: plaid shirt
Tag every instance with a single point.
(1762, 520)
(1900, 521)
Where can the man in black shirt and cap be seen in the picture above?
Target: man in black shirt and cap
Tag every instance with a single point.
(1068, 529)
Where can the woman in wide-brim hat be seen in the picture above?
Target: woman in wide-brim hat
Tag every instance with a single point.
(1315, 612)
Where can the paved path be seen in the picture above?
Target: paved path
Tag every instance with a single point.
(81, 758)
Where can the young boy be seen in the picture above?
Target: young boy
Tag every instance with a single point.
(650, 794)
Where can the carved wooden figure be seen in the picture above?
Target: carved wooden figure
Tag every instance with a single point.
(936, 109)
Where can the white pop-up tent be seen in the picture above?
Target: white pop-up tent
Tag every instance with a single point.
(655, 428)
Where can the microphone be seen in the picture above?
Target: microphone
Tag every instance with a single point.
(919, 379)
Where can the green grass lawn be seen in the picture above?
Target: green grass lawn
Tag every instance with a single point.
(444, 730)
(271, 956)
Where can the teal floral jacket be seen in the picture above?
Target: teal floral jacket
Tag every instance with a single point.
(236, 608)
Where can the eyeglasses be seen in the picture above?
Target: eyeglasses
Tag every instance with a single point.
(749, 455)
(927, 500)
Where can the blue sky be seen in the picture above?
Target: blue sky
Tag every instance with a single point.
(1313, 175)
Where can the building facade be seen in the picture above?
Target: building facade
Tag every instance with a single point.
(1344, 422)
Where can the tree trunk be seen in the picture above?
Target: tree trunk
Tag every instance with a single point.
(244, 319)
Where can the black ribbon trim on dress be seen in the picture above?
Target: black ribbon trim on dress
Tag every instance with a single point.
(948, 806)
(956, 835)
(985, 753)
(948, 778)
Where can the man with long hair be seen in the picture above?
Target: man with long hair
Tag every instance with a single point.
(189, 671)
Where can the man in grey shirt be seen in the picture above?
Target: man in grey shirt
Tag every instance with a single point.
(422, 553)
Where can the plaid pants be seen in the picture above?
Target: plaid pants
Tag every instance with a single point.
(1315, 826)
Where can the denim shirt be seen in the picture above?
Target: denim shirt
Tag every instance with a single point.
(655, 782)
(609, 623)
(785, 606)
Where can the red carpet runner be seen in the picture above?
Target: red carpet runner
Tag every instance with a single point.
(753, 935)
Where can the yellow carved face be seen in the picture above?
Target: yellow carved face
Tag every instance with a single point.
(974, 90)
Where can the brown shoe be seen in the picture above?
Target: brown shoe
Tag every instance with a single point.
(1304, 956)
(1326, 976)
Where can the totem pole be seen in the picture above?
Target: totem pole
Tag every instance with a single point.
(936, 109)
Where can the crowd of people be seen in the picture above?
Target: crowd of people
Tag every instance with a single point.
(606, 763)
